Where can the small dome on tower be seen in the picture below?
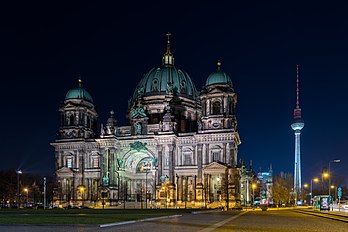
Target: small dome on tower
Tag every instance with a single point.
(79, 93)
(218, 77)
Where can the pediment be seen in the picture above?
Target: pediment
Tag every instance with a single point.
(214, 167)
(64, 171)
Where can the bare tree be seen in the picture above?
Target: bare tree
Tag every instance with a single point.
(282, 188)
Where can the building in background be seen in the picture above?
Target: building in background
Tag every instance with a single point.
(179, 149)
(265, 185)
(248, 178)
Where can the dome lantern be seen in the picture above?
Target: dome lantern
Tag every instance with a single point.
(168, 59)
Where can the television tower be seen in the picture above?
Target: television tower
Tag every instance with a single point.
(297, 125)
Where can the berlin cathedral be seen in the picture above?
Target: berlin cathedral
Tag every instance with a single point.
(178, 150)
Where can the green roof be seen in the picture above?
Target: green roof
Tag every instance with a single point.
(78, 93)
(164, 80)
(218, 77)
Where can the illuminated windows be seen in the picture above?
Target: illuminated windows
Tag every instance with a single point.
(216, 156)
(187, 159)
(95, 162)
(69, 162)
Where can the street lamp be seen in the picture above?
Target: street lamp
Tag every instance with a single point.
(253, 186)
(82, 190)
(335, 188)
(303, 194)
(18, 193)
(26, 190)
(315, 180)
(146, 172)
(332, 161)
(44, 192)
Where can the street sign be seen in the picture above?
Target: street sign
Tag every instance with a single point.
(339, 192)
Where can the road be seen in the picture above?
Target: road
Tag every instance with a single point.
(246, 221)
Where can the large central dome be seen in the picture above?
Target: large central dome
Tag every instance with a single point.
(166, 80)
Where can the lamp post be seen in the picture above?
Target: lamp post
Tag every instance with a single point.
(146, 172)
(303, 194)
(335, 188)
(26, 190)
(177, 189)
(82, 190)
(253, 186)
(18, 192)
(44, 192)
(315, 180)
(332, 161)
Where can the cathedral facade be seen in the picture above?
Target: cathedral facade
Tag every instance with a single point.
(178, 150)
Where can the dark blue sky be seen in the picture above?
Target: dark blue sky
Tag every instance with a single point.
(46, 45)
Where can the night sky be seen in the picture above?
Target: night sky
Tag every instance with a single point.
(46, 45)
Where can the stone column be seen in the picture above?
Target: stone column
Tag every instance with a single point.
(224, 155)
(199, 185)
(180, 162)
(194, 158)
(204, 160)
(199, 162)
(111, 169)
(225, 105)
(76, 163)
(233, 157)
(103, 164)
(171, 163)
(160, 163)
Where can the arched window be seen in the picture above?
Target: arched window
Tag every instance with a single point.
(71, 120)
(69, 161)
(187, 158)
(154, 85)
(88, 122)
(95, 162)
(145, 165)
(204, 108)
(216, 107)
(183, 87)
(216, 156)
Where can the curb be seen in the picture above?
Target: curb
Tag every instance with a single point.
(134, 221)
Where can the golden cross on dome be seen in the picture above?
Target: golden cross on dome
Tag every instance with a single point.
(168, 35)
(168, 44)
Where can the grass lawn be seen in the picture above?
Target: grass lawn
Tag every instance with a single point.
(80, 216)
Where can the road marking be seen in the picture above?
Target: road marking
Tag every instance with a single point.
(216, 225)
(134, 221)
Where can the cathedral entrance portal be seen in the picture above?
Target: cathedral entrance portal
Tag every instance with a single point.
(139, 177)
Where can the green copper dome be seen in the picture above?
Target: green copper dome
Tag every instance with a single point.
(166, 80)
(79, 93)
(218, 77)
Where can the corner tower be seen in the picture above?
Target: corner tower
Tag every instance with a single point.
(78, 116)
(297, 125)
(218, 100)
